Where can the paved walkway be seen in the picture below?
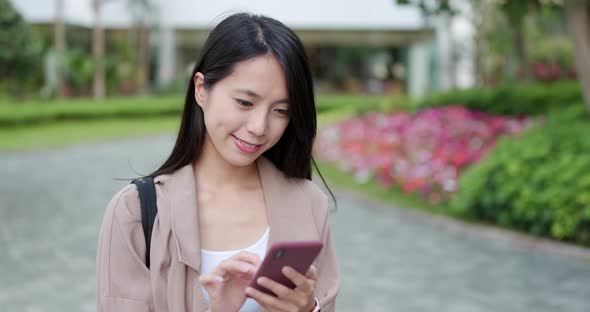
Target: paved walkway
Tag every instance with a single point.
(52, 203)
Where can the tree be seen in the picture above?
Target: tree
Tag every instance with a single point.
(20, 53)
(59, 35)
(98, 89)
(514, 11)
(577, 15)
(480, 15)
(431, 7)
(141, 10)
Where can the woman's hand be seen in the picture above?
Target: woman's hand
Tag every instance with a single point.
(227, 282)
(299, 299)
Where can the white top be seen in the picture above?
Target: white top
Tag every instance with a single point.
(210, 259)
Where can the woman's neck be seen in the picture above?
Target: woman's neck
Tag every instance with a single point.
(217, 173)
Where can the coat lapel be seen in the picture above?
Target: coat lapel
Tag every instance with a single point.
(184, 219)
(288, 209)
(289, 213)
(185, 216)
(271, 189)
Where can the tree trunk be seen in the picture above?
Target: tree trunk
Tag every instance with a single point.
(98, 52)
(477, 61)
(579, 28)
(482, 10)
(521, 53)
(478, 43)
(60, 47)
(143, 57)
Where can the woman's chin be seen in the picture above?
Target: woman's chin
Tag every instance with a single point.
(243, 160)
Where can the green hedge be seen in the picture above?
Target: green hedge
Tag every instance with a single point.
(23, 114)
(86, 109)
(358, 103)
(520, 99)
(538, 182)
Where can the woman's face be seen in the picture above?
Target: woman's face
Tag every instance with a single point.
(247, 112)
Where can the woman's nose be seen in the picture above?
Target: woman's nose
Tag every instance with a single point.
(257, 123)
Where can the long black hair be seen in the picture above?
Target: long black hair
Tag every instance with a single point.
(237, 38)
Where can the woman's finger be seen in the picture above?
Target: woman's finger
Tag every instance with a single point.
(232, 267)
(291, 295)
(210, 279)
(249, 257)
(278, 289)
(302, 283)
(269, 302)
(312, 273)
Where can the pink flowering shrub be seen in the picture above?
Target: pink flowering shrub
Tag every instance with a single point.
(423, 153)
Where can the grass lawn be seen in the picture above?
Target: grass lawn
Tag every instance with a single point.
(32, 113)
(52, 135)
(67, 132)
(72, 132)
(35, 113)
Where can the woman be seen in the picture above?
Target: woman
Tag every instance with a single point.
(237, 180)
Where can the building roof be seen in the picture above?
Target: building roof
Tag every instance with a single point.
(196, 14)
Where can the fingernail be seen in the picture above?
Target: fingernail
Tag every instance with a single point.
(260, 280)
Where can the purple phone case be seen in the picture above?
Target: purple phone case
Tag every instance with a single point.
(297, 254)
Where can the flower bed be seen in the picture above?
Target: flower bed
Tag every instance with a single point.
(423, 153)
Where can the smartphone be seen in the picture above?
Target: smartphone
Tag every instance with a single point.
(297, 254)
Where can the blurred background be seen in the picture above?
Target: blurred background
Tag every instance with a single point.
(455, 135)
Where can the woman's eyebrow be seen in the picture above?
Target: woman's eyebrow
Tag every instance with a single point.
(257, 96)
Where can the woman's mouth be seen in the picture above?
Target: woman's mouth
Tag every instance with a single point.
(246, 147)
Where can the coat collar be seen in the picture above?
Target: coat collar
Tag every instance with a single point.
(180, 189)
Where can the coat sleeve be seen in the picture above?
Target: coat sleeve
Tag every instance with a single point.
(122, 279)
(328, 282)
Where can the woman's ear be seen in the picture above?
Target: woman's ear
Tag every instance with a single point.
(200, 91)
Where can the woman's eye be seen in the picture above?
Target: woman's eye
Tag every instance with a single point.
(284, 112)
(243, 102)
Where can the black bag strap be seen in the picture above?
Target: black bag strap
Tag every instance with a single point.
(149, 209)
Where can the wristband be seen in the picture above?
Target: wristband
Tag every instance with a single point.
(317, 306)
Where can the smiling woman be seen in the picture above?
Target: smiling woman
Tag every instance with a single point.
(238, 180)
(244, 113)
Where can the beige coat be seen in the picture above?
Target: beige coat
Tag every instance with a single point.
(297, 210)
